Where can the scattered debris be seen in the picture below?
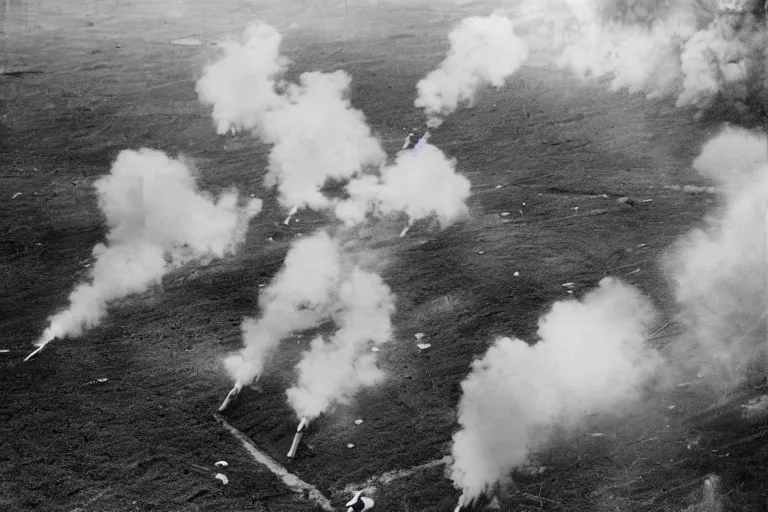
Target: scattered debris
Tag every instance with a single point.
(684, 385)
(221, 464)
(756, 409)
(224, 480)
(700, 375)
(419, 335)
(358, 421)
(34, 352)
(569, 286)
(4, 351)
(671, 407)
(17, 194)
(405, 231)
(597, 434)
(423, 346)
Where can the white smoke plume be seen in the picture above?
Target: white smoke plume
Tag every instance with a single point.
(591, 358)
(333, 371)
(309, 290)
(299, 297)
(719, 271)
(157, 220)
(316, 133)
(483, 51)
(689, 49)
(421, 182)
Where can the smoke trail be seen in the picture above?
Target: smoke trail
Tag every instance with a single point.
(591, 358)
(157, 220)
(483, 50)
(300, 297)
(333, 371)
(316, 133)
(421, 182)
(719, 271)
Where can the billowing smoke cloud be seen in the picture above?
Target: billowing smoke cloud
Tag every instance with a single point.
(483, 51)
(591, 358)
(693, 50)
(421, 182)
(300, 297)
(315, 132)
(157, 220)
(333, 371)
(719, 271)
(309, 290)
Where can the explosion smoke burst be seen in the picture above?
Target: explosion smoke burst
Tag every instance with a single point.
(483, 50)
(149, 234)
(591, 358)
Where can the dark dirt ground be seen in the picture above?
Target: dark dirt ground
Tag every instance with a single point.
(103, 77)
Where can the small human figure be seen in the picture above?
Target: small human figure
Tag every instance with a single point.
(359, 503)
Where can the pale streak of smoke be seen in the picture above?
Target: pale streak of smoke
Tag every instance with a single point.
(591, 358)
(718, 271)
(332, 371)
(157, 220)
(315, 132)
(298, 298)
(421, 182)
(483, 51)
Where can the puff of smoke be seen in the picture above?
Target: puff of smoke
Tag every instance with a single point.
(241, 85)
(332, 371)
(157, 220)
(317, 136)
(591, 358)
(483, 50)
(641, 57)
(718, 272)
(315, 132)
(298, 298)
(421, 182)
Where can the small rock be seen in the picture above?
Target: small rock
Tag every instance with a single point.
(671, 407)
(375, 349)
(505, 214)
(569, 285)
(222, 478)
(350, 445)
(358, 421)
(102, 380)
(221, 464)
(480, 252)
(516, 274)
(4, 351)
(423, 346)
(498, 186)
(419, 335)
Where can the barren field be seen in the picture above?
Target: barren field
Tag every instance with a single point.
(84, 80)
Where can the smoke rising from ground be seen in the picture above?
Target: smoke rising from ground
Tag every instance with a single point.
(316, 134)
(299, 297)
(719, 271)
(691, 50)
(421, 183)
(591, 358)
(483, 51)
(157, 220)
(333, 371)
